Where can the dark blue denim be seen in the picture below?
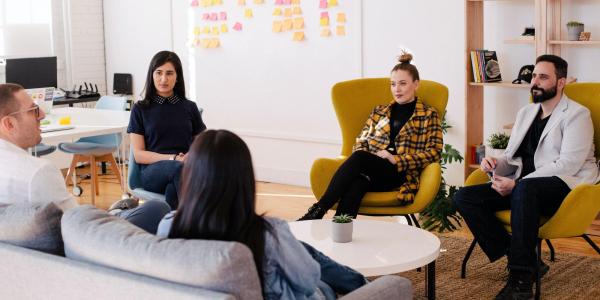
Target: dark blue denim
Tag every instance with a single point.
(163, 177)
(340, 278)
(147, 215)
(530, 199)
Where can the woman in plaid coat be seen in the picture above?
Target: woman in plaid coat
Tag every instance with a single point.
(396, 143)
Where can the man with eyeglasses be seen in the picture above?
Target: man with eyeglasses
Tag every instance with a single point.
(29, 179)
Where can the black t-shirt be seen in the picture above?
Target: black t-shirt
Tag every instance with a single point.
(399, 115)
(168, 125)
(530, 142)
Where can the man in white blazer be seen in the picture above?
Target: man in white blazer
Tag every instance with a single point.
(550, 152)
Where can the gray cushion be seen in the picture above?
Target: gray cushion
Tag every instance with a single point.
(34, 226)
(94, 236)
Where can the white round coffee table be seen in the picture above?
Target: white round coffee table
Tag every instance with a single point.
(377, 247)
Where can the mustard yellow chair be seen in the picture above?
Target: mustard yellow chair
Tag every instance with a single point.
(353, 102)
(581, 205)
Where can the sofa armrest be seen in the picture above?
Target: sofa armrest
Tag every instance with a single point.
(385, 287)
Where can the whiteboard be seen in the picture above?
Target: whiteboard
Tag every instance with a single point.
(263, 83)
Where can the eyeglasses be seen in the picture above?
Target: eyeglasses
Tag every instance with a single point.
(35, 108)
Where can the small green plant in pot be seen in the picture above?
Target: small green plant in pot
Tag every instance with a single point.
(341, 228)
(497, 143)
(574, 30)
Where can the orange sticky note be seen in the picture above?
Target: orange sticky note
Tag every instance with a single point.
(214, 43)
(204, 43)
(217, 2)
(333, 3)
(206, 3)
(340, 30)
(341, 18)
(288, 24)
(241, 2)
(326, 32)
(288, 12)
(224, 28)
(296, 2)
(277, 26)
(259, 1)
(324, 21)
(277, 11)
(206, 29)
(215, 30)
(298, 36)
(248, 13)
(297, 10)
(298, 23)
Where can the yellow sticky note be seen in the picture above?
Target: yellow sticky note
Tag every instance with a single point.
(287, 24)
(64, 120)
(298, 23)
(197, 30)
(324, 21)
(241, 2)
(277, 26)
(341, 17)
(224, 28)
(298, 36)
(214, 43)
(217, 2)
(296, 2)
(215, 30)
(333, 3)
(259, 1)
(340, 30)
(297, 10)
(277, 11)
(248, 13)
(206, 29)
(326, 32)
(288, 12)
(206, 3)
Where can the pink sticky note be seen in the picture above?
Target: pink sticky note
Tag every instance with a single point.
(287, 2)
(278, 2)
(237, 26)
(223, 16)
(323, 4)
(324, 15)
(205, 16)
(194, 3)
(214, 17)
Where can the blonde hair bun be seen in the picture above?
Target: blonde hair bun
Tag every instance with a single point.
(405, 57)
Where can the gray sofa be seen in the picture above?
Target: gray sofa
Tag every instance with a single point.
(108, 258)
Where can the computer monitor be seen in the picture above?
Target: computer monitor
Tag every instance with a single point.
(31, 73)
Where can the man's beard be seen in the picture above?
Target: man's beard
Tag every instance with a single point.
(545, 95)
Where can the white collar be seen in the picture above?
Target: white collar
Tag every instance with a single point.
(4, 144)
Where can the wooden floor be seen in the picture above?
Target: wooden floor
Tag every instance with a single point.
(290, 202)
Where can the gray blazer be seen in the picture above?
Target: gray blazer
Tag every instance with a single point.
(566, 146)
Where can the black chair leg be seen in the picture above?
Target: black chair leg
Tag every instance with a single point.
(415, 221)
(463, 269)
(587, 239)
(538, 278)
(408, 220)
(551, 249)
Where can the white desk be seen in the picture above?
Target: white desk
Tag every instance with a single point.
(377, 247)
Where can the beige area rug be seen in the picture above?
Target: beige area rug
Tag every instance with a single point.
(570, 276)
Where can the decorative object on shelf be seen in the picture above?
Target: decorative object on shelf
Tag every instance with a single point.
(497, 143)
(528, 34)
(574, 29)
(525, 74)
(341, 228)
(485, 66)
(441, 215)
(571, 80)
(585, 36)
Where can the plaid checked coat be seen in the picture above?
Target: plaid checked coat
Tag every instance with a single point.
(418, 143)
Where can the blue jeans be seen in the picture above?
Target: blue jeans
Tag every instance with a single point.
(163, 177)
(335, 278)
(146, 216)
(530, 199)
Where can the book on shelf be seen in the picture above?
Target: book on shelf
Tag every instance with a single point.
(485, 66)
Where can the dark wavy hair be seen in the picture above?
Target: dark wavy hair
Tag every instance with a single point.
(158, 60)
(218, 194)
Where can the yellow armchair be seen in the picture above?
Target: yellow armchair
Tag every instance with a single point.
(581, 205)
(353, 101)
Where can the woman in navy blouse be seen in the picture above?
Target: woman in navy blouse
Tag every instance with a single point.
(162, 126)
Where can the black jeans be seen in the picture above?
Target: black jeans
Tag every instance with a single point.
(163, 177)
(530, 199)
(362, 172)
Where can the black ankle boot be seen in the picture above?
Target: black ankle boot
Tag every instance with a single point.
(519, 286)
(314, 212)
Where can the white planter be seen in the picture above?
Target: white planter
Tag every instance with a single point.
(341, 232)
(494, 152)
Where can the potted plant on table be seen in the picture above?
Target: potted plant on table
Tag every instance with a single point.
(497, 143)
(341, 229)
(574, 29)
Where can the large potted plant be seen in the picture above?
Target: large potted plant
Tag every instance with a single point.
(341, 229)
(574, 30)
(497, 143)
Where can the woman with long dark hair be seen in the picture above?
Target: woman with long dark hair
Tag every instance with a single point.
(162, 126)
(218, 202)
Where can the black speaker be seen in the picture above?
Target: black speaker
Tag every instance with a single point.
(122, 84)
